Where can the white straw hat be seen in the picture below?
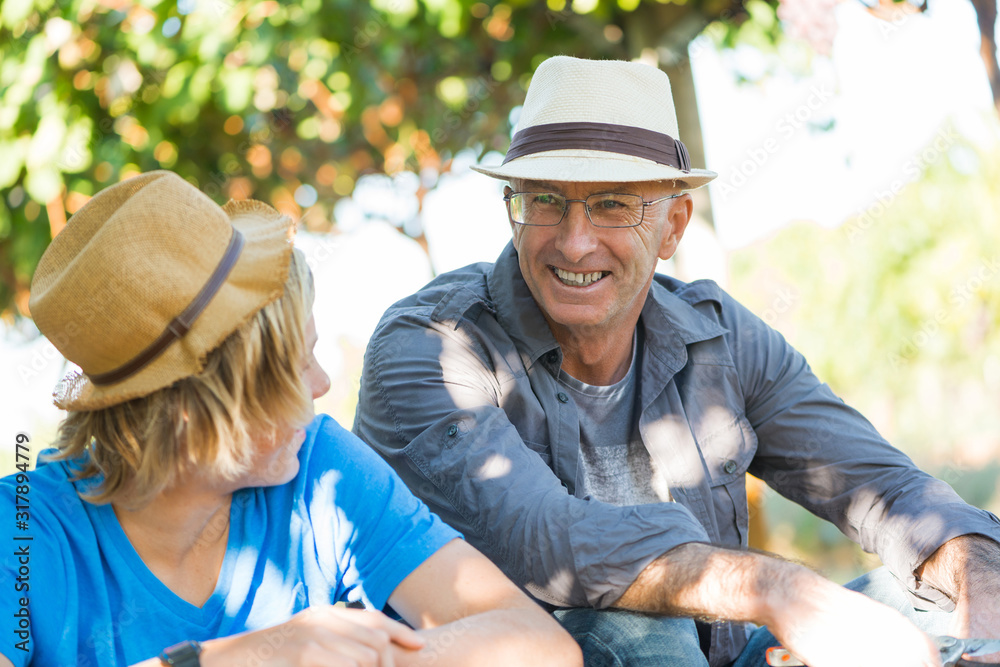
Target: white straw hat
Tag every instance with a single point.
(598, 121)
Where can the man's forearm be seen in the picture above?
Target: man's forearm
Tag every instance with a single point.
(713, 583)
(810, 615)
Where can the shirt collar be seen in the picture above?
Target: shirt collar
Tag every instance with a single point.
(517, 311)
(672, 322)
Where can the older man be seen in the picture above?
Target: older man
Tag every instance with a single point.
(588, 423)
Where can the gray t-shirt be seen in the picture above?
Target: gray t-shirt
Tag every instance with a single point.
(617, 467)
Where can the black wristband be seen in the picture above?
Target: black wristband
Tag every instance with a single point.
(184, 654)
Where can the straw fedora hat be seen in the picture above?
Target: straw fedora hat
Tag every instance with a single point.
(598, 120)
(147, 278)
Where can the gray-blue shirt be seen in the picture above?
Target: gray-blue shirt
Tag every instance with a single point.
(615, 465)
(460, 395)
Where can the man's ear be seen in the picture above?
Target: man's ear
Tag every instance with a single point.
(677, 221)
(506, 191)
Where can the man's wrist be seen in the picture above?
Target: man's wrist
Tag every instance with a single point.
(958, 564)
(784, 588)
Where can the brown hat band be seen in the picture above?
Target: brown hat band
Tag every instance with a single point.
(181, 324)
(636, 141)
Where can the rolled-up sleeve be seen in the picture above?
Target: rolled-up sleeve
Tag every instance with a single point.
(824, 455)
(430, 405)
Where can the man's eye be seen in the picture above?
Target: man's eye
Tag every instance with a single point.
(546, 200)
(609, 204)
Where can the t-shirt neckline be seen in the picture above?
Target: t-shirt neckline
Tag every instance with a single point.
(115, 537)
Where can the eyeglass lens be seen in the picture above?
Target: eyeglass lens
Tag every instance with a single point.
(604, 210)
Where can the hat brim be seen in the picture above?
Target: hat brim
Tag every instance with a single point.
(257, 279)
(585, 166)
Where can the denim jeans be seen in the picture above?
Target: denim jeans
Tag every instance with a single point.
(619, 638)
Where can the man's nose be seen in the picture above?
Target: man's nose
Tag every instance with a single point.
(576, 233)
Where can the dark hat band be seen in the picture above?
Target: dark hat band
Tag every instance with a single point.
(181, 324)
(636, 141)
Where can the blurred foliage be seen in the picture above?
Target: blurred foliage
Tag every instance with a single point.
(897, 309)
(286, 102)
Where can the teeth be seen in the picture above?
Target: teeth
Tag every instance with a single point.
(579, 279)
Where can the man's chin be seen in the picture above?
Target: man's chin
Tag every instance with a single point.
(575, 316)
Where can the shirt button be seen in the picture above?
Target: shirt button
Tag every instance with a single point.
(552, 357)
(563, 398)
(729, 466)
(452, 431)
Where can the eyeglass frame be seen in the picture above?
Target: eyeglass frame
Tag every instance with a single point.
(508, 195)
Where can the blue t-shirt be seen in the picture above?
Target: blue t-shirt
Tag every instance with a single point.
(346, 528)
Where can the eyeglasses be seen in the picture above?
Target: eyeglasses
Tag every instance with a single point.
(547, 209)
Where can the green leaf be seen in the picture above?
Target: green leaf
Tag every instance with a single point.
(14, 12)
(13, 160)
(762, 14)
(43, 183)
(176, 77)
(200, 85)
(76, 155)
(237, 88)
(47, 142)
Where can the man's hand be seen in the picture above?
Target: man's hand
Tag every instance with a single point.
(822, 623)
(967, 568)
(826, 625)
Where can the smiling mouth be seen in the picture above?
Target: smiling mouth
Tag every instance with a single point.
(578, 279)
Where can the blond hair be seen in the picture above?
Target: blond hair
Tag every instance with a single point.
(250, 387)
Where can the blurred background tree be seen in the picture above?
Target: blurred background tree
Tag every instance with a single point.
(293, 102)
(290, 102)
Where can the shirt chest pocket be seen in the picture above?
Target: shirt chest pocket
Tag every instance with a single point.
(728, 452)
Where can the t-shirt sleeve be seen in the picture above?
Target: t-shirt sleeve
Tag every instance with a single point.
(371, 532)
